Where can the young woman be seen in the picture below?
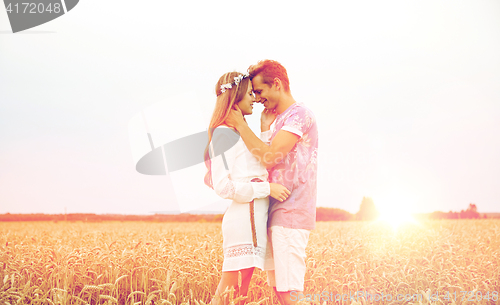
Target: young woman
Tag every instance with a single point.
(234, 173)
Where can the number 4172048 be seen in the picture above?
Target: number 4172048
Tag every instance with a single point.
(33, 8)
(472, 296)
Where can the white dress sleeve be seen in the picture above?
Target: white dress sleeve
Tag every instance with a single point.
(229, 189)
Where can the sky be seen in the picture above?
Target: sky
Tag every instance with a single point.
(406, 95)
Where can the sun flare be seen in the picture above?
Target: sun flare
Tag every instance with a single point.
(396, 218)
(396, 207)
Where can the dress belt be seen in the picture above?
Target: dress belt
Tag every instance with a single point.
(252, 216)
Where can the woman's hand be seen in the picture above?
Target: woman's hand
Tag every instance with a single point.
(279, 192)
(266, 119)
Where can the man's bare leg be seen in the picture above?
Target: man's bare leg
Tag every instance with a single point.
(286, 298)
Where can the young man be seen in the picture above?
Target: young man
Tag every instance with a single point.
(290, 155)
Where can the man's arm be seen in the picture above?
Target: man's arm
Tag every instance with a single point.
(270, 155)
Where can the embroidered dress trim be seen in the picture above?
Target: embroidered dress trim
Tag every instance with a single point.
(229, 190)
(244, 250)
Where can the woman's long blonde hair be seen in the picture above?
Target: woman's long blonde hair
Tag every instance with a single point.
(225, 102)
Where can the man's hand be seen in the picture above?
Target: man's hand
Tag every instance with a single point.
(266, 119)
(235, 118)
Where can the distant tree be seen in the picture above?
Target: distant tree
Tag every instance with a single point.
(472, 208)
(328, 214)
(367, 210)
(470, 213)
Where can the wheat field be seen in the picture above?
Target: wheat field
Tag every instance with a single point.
(432, 262)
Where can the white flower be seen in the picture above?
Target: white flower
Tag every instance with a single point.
(237, 80)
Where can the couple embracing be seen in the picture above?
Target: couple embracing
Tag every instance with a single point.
(271, 180)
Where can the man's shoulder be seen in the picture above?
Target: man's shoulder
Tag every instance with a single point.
(305, 115)
(298, 120)
(302, 110)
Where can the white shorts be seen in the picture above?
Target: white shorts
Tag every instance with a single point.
(288, 247)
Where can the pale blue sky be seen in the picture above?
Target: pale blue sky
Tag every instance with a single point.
(406, 95)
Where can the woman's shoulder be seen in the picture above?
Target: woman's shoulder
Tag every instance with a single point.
(224, 138)
(225, 131)
(225, 126)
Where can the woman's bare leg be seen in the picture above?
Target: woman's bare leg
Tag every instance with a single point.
(229, 279)
(246, 276)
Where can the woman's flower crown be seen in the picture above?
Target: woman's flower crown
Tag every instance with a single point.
(236, 82)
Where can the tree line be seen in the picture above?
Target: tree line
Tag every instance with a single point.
(367, 211)
(88, 217)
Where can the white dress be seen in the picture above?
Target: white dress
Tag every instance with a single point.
(235, 183)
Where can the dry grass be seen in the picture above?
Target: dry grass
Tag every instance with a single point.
(180, 263)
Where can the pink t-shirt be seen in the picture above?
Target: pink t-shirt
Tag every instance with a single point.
(297, 171)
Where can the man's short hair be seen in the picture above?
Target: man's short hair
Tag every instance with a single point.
(270, 69)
